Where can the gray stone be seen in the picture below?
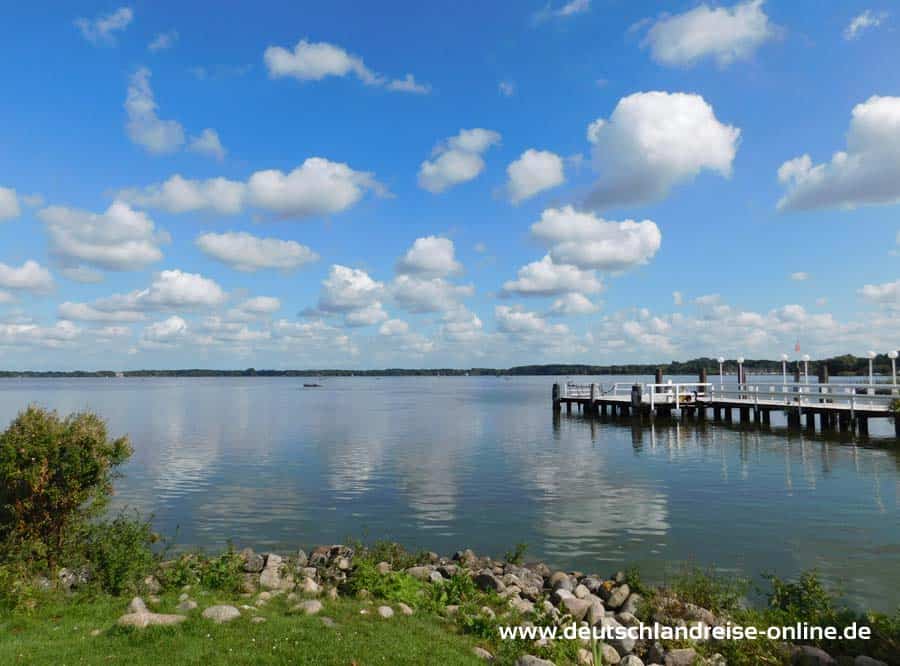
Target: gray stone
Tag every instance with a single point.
(302, 559)
(585, 658)
(862, 660)
(406, 610)
(522, 606)
(618, 596)
(308, 607)
(420, 572)
(681, 657)
(328, 622)
(137, 605)
(152, 585)
(807, 655)
(385, 611)
(310, 587)
(576, 607)
(435, 578)
(253, 562)
(627, 619)
(448, 570)
(631, 660)
(609, 654)
(558, 596)
(581, 591)
(383, 568)
(531, 660)
(271, 577)
(656, 654)
(632, 603)
(146, 619)
(343, 563)
(221, 613)
(486, 580)
(186, 606)
(257, 620)
(481, 653)
(595, 613)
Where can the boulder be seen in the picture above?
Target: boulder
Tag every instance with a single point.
(257, 620)
(302, 559)
(558, 596)
(186, 606)
(609, 654)
(617, 596)
(310, 587)
(486, 580)
(481, 653)
(595, 613)
(631, 660)
(807, 655)
(151, 584)
(383, 568)
(253, 562)
(581, 591)
(531, 660)
(137, 605)
(308, 607)
(221, 613)
(576, 607)
(406, 610)
(862, 660)
(385, 611)
(681, 657)
(633, 602)
(522, 606)
(146, 619)
(435, 578)
(420, 572)
(585, 658)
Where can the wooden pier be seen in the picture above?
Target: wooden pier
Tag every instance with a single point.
(843, 407)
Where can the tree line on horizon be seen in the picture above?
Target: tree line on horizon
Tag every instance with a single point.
(844, 365)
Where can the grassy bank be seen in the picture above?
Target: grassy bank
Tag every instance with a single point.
(82, 630)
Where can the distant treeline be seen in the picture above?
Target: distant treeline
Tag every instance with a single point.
(839, 365)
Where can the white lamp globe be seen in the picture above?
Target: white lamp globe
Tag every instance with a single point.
(806, 357)
(740, 359)
(872, 354)
(784, 357)
(721, 359)
(892, 354)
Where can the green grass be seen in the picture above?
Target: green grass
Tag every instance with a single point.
(59, 632)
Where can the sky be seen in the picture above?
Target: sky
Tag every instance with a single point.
(407, 184)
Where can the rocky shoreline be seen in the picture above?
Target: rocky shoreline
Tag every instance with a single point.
(526, 594)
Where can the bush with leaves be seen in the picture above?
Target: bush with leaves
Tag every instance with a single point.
(119, 552)
(55, 474)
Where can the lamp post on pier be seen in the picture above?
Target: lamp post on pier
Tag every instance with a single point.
(871, 356)
(721, 373)
(806, 368)
(893, 356)
(784, 360)
(740, 360)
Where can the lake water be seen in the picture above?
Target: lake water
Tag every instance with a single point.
(445, 463)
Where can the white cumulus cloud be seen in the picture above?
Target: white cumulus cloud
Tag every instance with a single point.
(208, 143)
(353, 293)
(534, 172)
(547, 278)
(144, 126)
(246, 252)
(456, 160)
(588, 242)
(654, 141)
(120, 239)
(316, 187)
(866, 173)
(163, 41)
(314, 61)
(9, 204)
(726, 34)
(430, 255)
(30, 276)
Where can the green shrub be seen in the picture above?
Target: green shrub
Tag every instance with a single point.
(517, 555)
(223, 572)
(119, 552)
(708, 589)
(392, 586)
(54, 474)
(805, 600)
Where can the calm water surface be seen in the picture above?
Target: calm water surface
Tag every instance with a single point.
(444, 463)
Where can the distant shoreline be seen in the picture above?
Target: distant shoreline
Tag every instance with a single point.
(845, 365)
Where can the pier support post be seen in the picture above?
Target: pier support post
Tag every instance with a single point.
(810, 420)
(717, 414)
(863, 424)
(767, 416)
(897, 426)
(844, 421)
(793, 417)
(568, 408)
(728, 414)
(745, 414)
(556, 403)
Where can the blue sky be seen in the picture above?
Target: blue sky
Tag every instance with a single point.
(352, 185)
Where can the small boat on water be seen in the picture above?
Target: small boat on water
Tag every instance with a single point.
(312, 386)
